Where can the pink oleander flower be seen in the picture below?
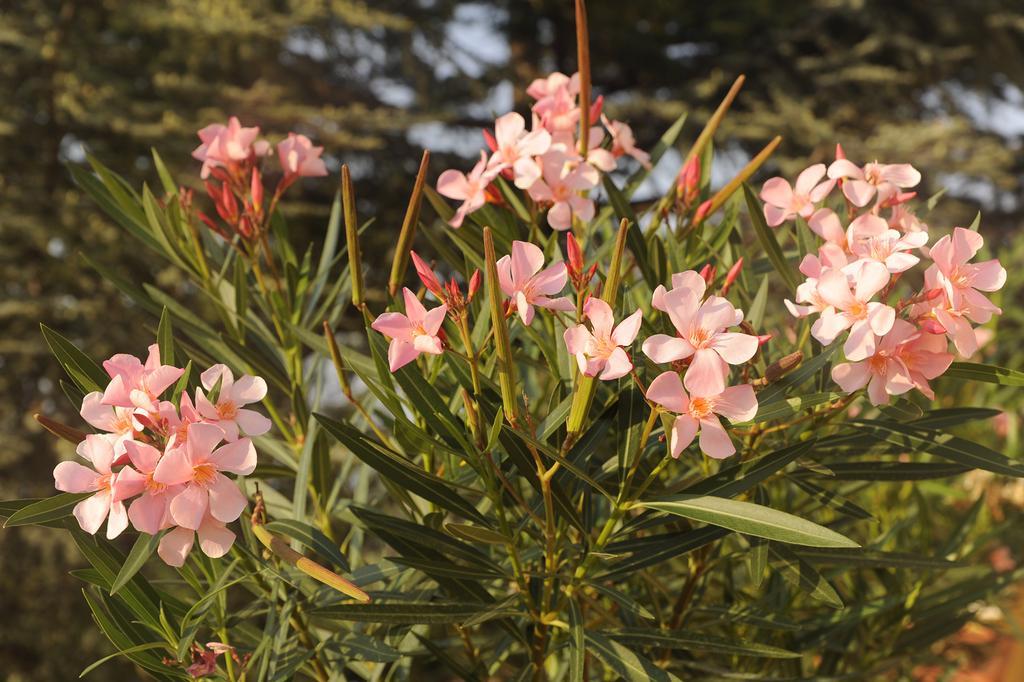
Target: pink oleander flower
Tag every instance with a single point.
(415, 332)
(783, 202)
(136, 385)
(890, 248)
(224, 145)
(563, 142)
(903, 219)
(515, 149)
(854, 309)
(860, 185)
(214, 539)
(523, 281)
(120, 422)
(558, 110)
(689, 280)
(962, 281)
(560, 185)
(299, 158)
(699, 413)
(108, 498)
(702, 337)
(624, 143)
(598, 350)
(904, 359)
(150, 512)
(199, 466)
(470, 189)
(229, 413)
(807, 291)
(172, 422)
(549, 85)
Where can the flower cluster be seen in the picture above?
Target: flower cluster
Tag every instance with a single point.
(702, 348)
(168, 459)
(893, 344)
(232, 155)
(548, 161)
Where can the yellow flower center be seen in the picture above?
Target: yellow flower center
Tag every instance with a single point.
(204, 474)
(700, 407)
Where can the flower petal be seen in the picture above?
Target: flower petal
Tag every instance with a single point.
(684, 428)
(226, 500)
(175, 546)
(714, 441)
(189, 506)
(72, 477)
(706, 374)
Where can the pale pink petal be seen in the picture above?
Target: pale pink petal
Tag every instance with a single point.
(577, 339)
(218, 372)
(582, 208)
(860, 344)
(661, 348)
(527, 260)
(551, 280)
(714, 441)
(226, 500)
(627, 330)
(144, 457)
(830, 325)
(148, 513)
(175, 546)
(684, 428)
(735, 348)
(872, 278)
(681, 305)
(617, 365)
(716, 313)
(97, 414)
(189, 506)
(428, 344)
(393, 325)
(851, 376)
(775, 216)
(876, 391)
(706, 374)
(667, 390)
(822, 190)
(562, 303)
(504, 265)
(988, 276)
(524, 308)
(238, 457)
(808, 178)
(249, 389)
(72, 477)
(737, 403)
(778, 193)
(901, 174)
(834, 289)
(252, 423)
(98, 449)
(858, 192)
(560, 216)
(414, 309)
(600, 316)
(127, 483)
(117, 520)
(159, 380)
(881, 318)
(202, 439)
(174, 468)
(844, 168)
(825, 223)
(508, 128)
(215, 539)
(92, 511)
(454, 185)
(400, 354)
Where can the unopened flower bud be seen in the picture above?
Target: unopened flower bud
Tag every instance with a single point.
(474, 284)
(702, 212)
(707, 273)
(763, 339)
(256, 190)
(688, 182)
(731, 276)
(575, 265)
(840, 154)
(595, 109)
(492, 143)
(783, 366)
(426, 275)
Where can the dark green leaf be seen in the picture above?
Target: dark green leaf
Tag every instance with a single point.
(988, 373)
(46, 510)
(766, 237)
(143, 548)
(683, 640)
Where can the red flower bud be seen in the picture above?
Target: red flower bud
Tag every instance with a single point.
(840, 154)
(702, 211)
(688, 182)
(426, 275)
(595, 109)
(492, 143)
(256, 190)
(474, 284)
(575, 256)
(763, 339)
(731, 276)
(707, 273)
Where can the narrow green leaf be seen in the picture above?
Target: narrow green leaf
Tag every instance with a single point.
(464, 531)
(684, 640)
(46, 510)
(391, 465)
(130, 650)
(80, 367)
(624, 662)
(988, 373)
(751, 519)
(803, 576)
(143, 548)
(165, 338)
(860, 557)
(401, 612)
(875, 470)
(577, 643)
(766, 237)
